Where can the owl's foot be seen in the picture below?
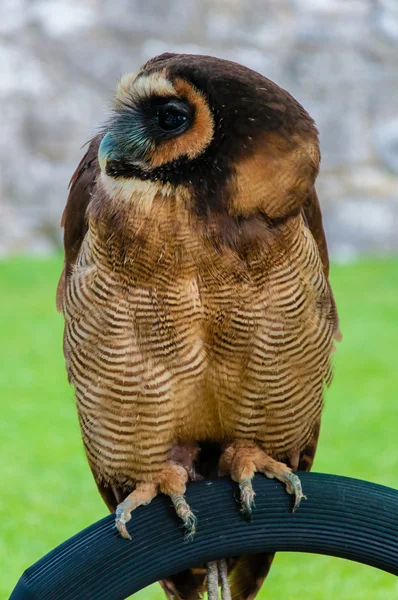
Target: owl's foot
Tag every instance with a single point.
(171, 481)
(243, 459)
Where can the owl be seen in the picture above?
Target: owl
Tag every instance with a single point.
(199, 318)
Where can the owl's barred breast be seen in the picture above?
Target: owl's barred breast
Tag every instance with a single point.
(175, 339)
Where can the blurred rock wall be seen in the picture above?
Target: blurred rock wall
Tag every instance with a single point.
(60, 59)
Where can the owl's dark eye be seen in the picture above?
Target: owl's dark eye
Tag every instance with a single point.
(174, 116)
(171, 119)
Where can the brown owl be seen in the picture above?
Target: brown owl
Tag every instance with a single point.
(199, 319)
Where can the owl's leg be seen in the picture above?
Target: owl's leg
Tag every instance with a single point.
(243, 459)
(171, 481)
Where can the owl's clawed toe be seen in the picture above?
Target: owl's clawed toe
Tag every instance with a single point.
(247, 494)
(184, 512)
(293, 486)
(172, 481)
(143, 494)
(291, 481)
(123, 516)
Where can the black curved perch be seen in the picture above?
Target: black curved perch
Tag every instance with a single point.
(342, 517)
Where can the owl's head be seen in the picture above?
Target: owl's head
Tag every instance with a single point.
(234, 139)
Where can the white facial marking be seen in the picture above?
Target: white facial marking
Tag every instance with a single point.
(140, 193)
(132, 87)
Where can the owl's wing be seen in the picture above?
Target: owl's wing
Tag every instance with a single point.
(313, 217)
(75, 226)
(248, 572)
(74, 219)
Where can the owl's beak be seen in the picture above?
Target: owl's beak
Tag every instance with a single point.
(118, 150)
(106, 151)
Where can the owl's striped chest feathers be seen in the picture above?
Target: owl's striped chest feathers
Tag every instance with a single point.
(173, 337)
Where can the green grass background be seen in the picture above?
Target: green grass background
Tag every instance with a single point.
(47, 493)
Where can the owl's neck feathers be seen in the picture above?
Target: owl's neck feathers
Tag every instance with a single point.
(147, 228)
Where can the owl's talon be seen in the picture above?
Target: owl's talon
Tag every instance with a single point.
(293, 486)
(143, 494)
(247, 494)
(183, 510)
(122, 529)
(122, 517)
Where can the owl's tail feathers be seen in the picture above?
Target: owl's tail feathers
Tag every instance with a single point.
(193, 583)
(187, 585)
(247, 575)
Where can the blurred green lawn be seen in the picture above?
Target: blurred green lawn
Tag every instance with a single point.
(47, 492)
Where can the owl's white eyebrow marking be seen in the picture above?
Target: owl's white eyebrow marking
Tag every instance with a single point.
(136, 87)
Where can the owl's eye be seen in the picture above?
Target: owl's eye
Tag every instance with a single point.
(171, 119)
(173, 116)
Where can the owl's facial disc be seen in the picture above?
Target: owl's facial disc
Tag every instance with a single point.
(155, 122)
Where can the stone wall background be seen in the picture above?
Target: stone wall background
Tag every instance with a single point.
(60, 60)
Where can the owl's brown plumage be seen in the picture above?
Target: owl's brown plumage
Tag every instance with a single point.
(199, 320)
